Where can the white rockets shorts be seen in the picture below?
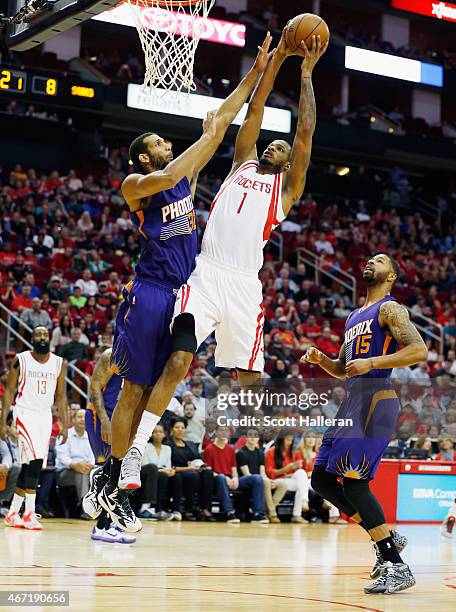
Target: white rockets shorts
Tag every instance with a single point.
(34, 430)
(229, 302)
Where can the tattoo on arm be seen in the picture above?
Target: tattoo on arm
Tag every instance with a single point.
(308, 108)
(100, 377)
(397, 319)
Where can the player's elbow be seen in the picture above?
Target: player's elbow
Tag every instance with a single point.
(422, 353)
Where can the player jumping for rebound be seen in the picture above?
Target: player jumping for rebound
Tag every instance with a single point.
(373, 335)
(35, 383)
(160, 199)
(224, 292)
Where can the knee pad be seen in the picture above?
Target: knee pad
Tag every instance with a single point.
(322, 480)
(184, 337)
(21, 482)
(355, 489)
(33, 473)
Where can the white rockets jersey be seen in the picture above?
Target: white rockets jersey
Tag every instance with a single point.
(244, 212)
(37, 382)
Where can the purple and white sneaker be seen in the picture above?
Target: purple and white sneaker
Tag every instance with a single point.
(112, 535)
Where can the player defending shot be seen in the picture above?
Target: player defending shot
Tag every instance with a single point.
(104, 390)
(224, 292)
(160, 200)
(35, 382)
(373, 334)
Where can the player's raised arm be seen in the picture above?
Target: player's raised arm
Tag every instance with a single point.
(396, 318)
(249, 131)
(137, 186)
(8, 396)
(334, 367)
(100, 378)
(61, 403)
(295, 178)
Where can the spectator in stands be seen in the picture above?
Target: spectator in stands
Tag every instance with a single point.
(195, 480)
(77, 299)
(198, 400)
(420, 374)
(158, 477)
(61, 334)
(250, 460)
(195, 426)
(284, 332)
(424, 443)
(327, 343)
(306, 452)
(220, 456)
(331, 408)
(447, 452)
(74, 459)
(35, 316)
(280, 466)
(55, 290)
(23, 300)
(88, 286)
(74, 350)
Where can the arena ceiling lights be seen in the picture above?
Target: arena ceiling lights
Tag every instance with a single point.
(197, 107)
(214, 30)
(393, 66)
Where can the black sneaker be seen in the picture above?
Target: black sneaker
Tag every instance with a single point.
(394, 577)
(232, 518)
(90, 503)
(117, 505)
(400, 542)
(260, 518)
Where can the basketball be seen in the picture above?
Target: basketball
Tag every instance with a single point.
(303, 27)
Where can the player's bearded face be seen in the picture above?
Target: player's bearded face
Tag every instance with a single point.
(371, 276)
(40, 345)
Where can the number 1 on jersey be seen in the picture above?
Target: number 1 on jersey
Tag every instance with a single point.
(242, 202)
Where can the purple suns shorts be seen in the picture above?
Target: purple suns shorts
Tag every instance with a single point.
(142, 343)
(355, 450)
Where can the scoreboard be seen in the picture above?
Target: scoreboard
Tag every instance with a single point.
(66, 90)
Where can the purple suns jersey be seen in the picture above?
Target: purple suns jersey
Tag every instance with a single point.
(365, 338)
(168, 237)
(111, 393)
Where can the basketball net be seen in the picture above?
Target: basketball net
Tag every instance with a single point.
(169, 32)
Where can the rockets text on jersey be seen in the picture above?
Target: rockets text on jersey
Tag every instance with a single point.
(246, 209)
(37, 381)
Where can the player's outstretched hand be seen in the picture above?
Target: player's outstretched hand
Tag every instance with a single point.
(313, 355)
(356, 367)
(282, 48)
(264, 54)
(311, 56)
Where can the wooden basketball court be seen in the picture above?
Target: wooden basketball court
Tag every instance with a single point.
(199, 566)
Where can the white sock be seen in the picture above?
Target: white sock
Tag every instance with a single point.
(30, 502)
(145, 507)
(144, 431)
(16, 504)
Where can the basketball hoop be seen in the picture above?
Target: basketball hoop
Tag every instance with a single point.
(169, 31)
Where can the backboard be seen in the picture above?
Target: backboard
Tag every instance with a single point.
(35, 21)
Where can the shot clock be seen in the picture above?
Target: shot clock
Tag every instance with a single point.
(64, 89)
